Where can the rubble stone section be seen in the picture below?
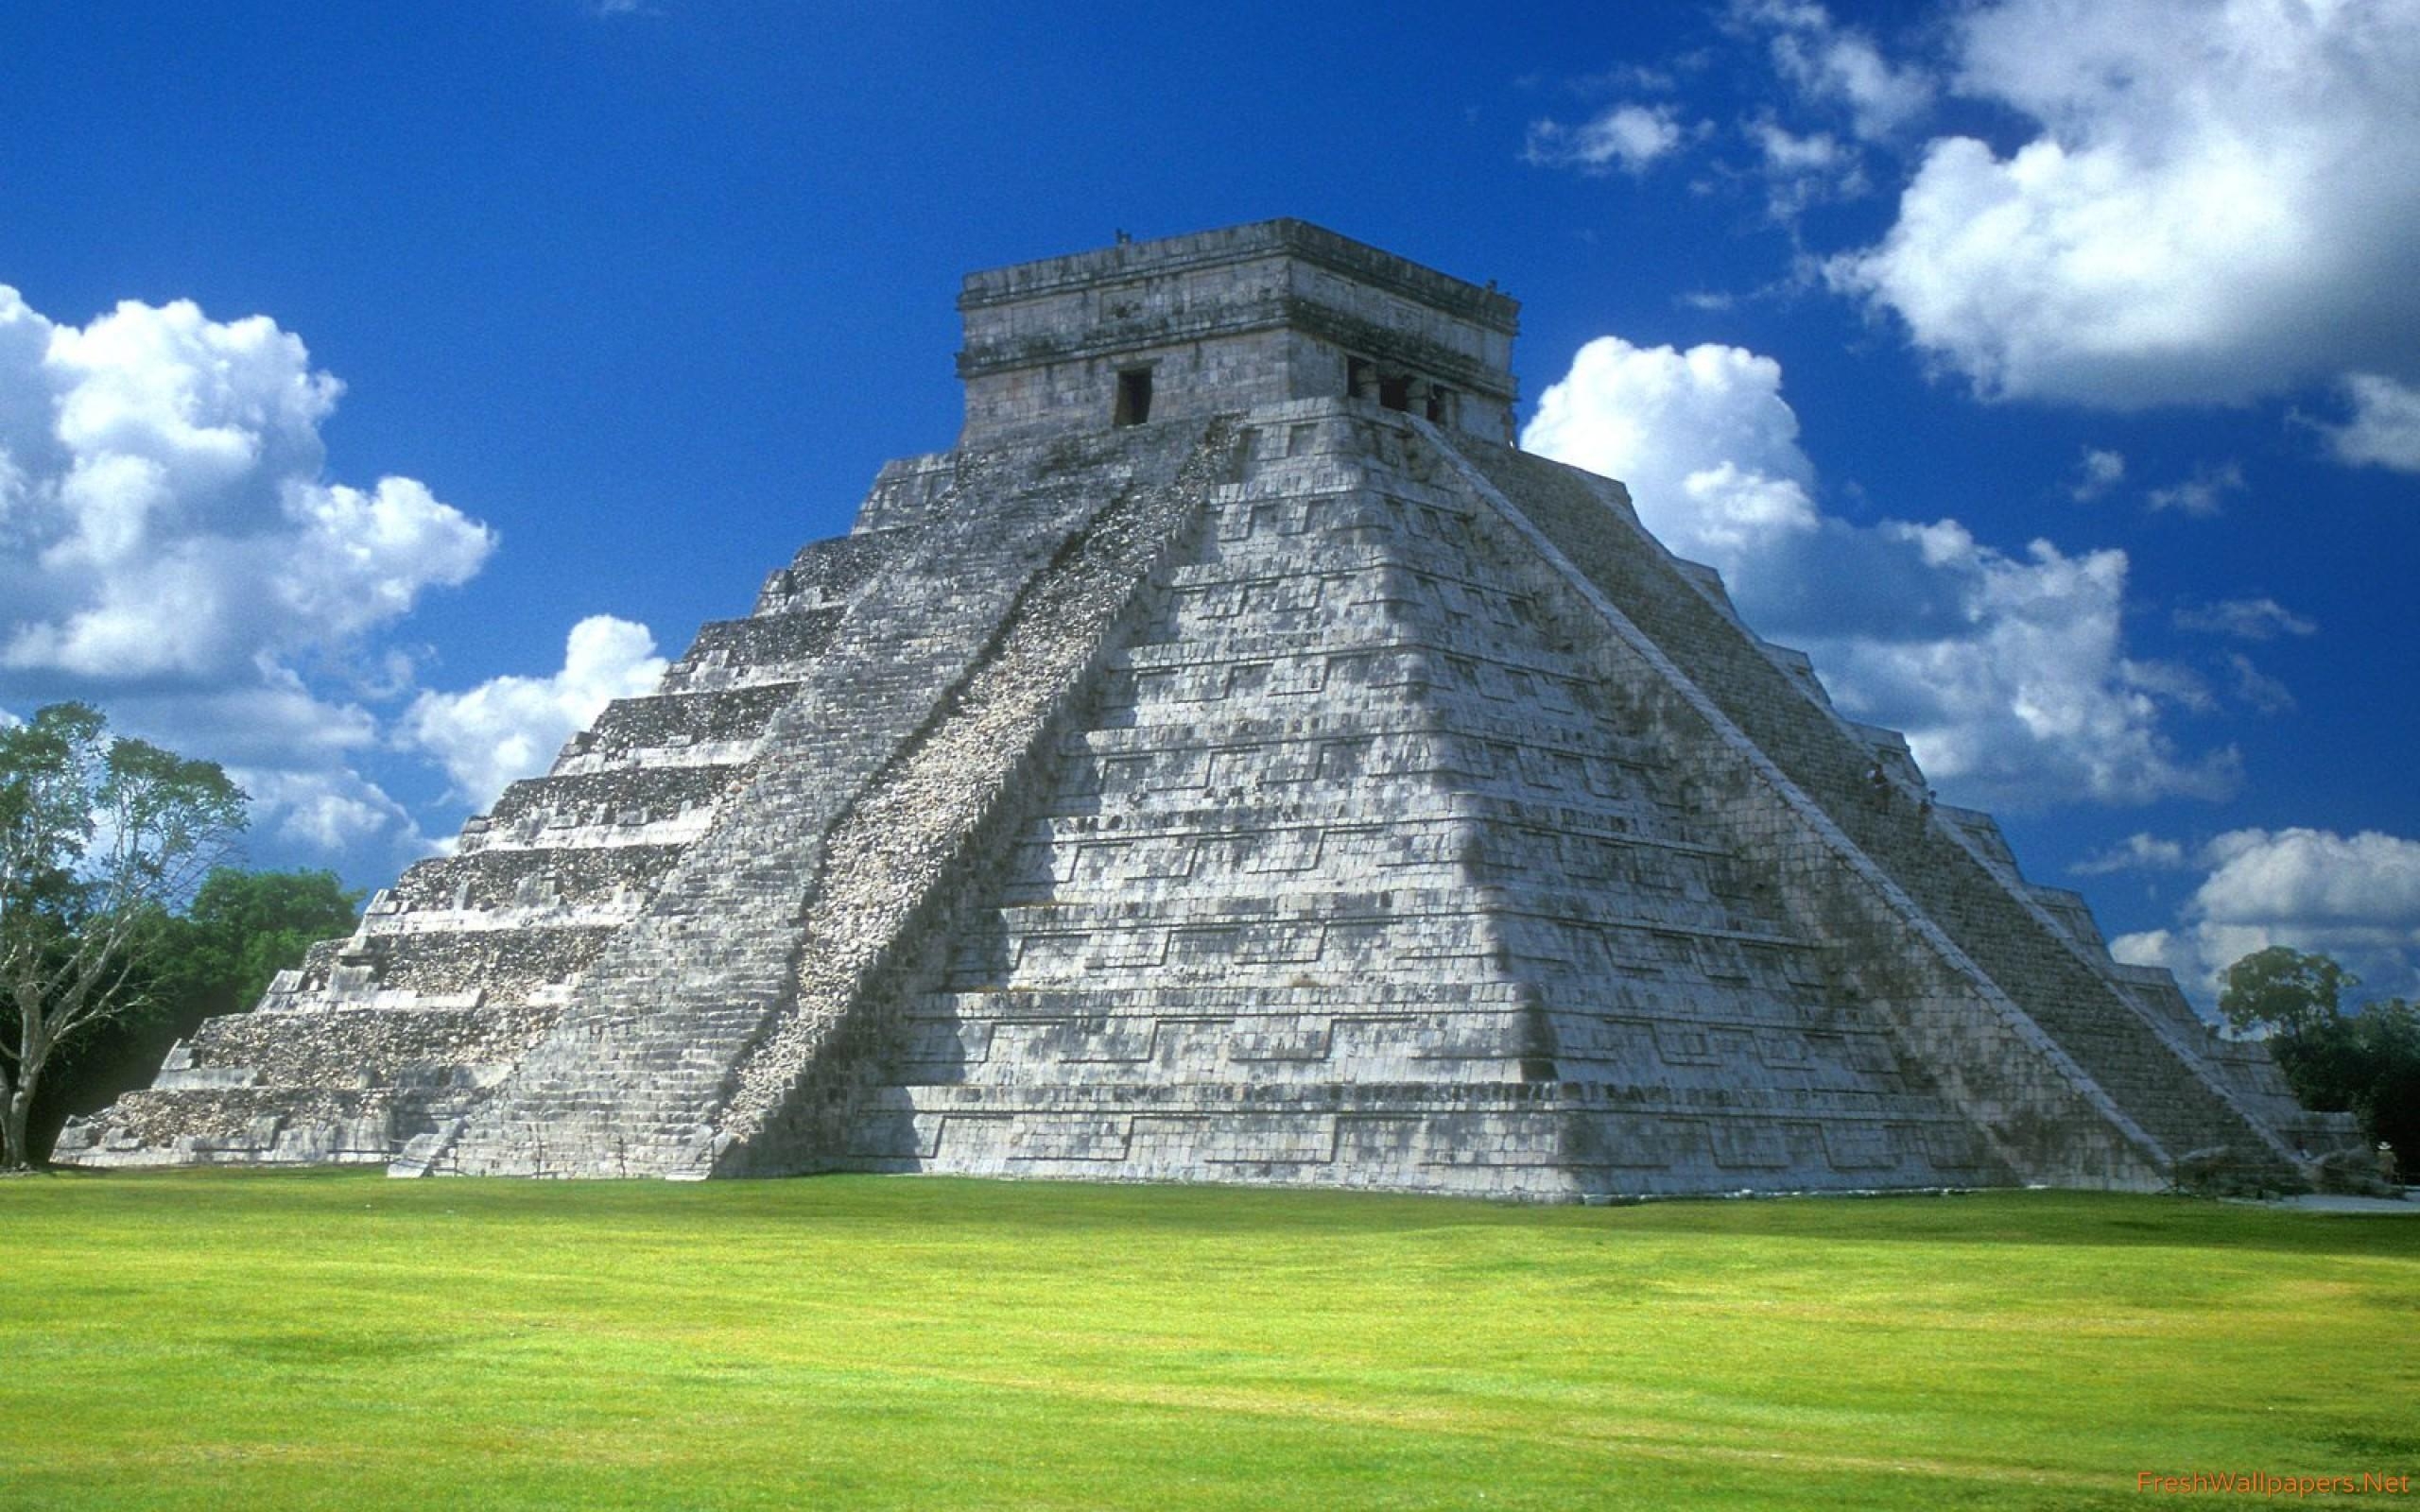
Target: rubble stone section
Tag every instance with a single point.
(1233, 763)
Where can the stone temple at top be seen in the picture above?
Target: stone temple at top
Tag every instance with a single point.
(1234, 761)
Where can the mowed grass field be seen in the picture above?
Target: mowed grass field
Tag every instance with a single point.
(239, 1340)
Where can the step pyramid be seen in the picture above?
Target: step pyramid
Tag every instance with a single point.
(1234, 761)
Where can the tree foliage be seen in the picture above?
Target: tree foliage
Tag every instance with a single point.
(216, 957)
(2365, 1064)
(100, 837)
(2282, 990)
(241, 929)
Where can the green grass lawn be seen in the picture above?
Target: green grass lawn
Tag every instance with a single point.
(236, 1340)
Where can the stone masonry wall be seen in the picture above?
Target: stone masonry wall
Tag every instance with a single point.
(2009, 942)
(639, 1068)
(453, 972)
(1277, 788)
(1225, 937)
(1346, 880)
(945, 801)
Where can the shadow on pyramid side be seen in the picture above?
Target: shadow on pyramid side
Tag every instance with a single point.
(1234, 762)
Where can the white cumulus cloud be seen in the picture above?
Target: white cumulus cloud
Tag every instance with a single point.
(2384, 430)
(1626, 137)
(2354, 897)
(1804, 170)
(1703, 438)
(165, 512)
(1840, 65)
(2098, 472)
(2008, 672)
(1785, 151)
(334, 812)
(510, 727)
(2140, 851)
(2203, 494)
(2257, 688)
(171, 550)
(2215, 199)
(2244, 619)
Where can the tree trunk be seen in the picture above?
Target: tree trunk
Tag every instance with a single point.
(15, 1114)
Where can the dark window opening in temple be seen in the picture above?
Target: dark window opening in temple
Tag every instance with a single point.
(1133, 397)
(1395, 392)
(1360, 378)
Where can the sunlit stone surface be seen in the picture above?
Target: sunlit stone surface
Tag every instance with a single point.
(1232, 762)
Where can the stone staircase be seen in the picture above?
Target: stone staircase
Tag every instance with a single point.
(1350, 880)
(2144, 1068)
(1229, 764)
(636, 1073)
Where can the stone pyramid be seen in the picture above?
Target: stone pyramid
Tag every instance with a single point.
(1234, 761)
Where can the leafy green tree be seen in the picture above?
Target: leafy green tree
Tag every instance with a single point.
(216, 957)
(2370, 1062)
(2282, 991)
(100, 837)
(2365, 1064)
(242, 928)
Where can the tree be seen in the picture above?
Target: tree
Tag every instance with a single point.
(241, 929)
(2385, 1060)
(100, 837)
(2283, 992)
(2365, 1064)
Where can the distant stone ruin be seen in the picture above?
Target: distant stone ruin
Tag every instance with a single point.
(1234, 762)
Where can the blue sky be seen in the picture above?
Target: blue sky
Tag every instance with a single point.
(384, 386)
